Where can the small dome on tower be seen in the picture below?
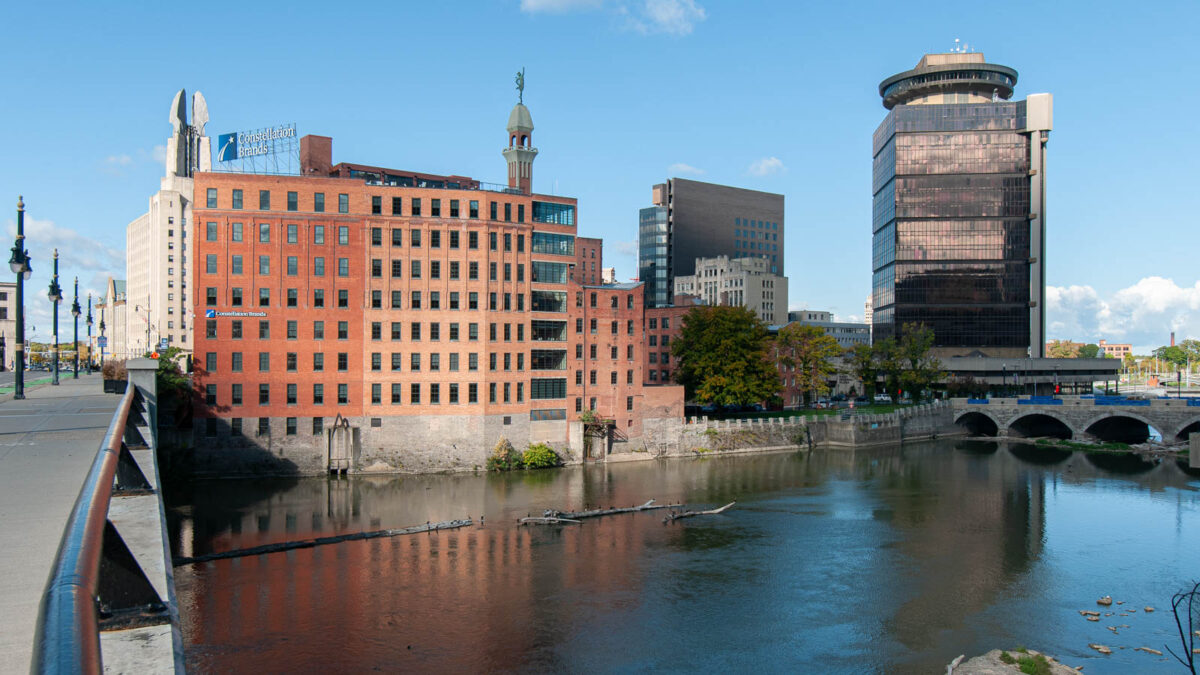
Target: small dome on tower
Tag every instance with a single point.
(519, 119)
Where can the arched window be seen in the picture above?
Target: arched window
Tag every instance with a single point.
(524, 140)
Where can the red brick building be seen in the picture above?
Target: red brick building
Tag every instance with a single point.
(589, 261)
(432, 313)
(661, 326)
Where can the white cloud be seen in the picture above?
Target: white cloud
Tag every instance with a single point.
(159, 153)
(558, 6)
(1143, 314)
(78, 255)
(627, 248)
(680, 167)
(673, 17)
(119, 160)
(648, 17)
(767, 166)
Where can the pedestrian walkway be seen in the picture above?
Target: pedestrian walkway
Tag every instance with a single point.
(47, 444)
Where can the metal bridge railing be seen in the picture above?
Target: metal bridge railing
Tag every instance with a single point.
(96, 583)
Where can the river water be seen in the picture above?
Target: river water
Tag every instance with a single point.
(888, 560)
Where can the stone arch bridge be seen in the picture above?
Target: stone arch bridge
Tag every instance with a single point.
(1102, 418)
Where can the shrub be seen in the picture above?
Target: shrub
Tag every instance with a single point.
(504, 457)
(114, 369)
(541, 456)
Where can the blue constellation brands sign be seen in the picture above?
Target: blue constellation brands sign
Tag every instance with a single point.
(242, 144)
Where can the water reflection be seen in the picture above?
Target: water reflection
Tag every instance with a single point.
(1042, 455)
(896, 559)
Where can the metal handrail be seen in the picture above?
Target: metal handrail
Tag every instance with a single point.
(68, 639)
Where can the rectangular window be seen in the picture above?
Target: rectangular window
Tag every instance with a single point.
(318, 330)
(318, 426)
(264, 264)
(264, 200)
(414, 393)
(291, 394)
(264, 394)
(343, 203)
(435, 208)
(414, 331)
(291, 362)
(318, 393)
(416, 300)
(291, 329)
(377, 236)
(343, 394)
(319, 235)
(318, 361)
(507, 214)
(235, 298)
(318, 297)
(343, 267)
(396, 389)
(210, 296)
(376, 299)
(210, 263)
(397, 202)
(235, 264)
(293, 201)
(376, 361)
(264, 233)
(415, 269)
(264, 330)
(435, 269)
(453, 393)
(520, 213)
(376, 205)
(319, 266)
(343, 362)
(435, 394)
(343, 329)
(237, 199)
(472, 393)
(343, 235)
(415, 206)
(235, 231)
(210, 231)
(212, 198)
(319, 202)
(237, 394)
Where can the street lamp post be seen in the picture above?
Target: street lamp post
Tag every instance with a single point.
(102, 338)
(88, 321)
(75, 313)
(19, 264)
(55, 295)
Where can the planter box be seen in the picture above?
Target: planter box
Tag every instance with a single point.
(115, 386)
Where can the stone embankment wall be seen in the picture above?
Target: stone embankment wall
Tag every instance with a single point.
(423, 444)
(666, 438)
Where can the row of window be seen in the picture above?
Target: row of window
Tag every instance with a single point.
(498, 392)
(415, 332)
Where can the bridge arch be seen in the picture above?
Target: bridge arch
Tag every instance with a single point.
(1191, 426)
(1041, 423)
(978, 423)
(1121, 426)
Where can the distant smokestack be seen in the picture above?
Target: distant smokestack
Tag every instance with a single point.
(1172, 338)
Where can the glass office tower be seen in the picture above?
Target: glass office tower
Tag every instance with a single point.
(958, 213)
(654, 261)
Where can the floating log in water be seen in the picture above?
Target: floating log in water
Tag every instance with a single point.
(320, 541)
(671, 517)
(576, 515)
(549, 521)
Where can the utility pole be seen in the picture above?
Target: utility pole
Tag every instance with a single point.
(75, 313)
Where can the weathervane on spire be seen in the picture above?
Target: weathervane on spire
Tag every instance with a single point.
(521, 85)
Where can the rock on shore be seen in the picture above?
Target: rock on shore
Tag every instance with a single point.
(990, 664)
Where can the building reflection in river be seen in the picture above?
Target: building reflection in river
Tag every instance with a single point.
(885, 557)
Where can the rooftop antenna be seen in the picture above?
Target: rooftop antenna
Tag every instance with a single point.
(957, 48)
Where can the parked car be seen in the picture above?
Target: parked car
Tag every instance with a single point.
(883, 398)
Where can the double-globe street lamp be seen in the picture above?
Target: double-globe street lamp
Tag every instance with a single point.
(19, 264)
(75, 313)
(55, 295)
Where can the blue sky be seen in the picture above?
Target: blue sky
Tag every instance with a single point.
(771, 96)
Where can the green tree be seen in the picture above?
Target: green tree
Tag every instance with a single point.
(921, 369)
(1192, 349)
(891, 365)
(809, 353)
(1174, 355)
(722, 357)
(1062, 349)
(864, 365)
(1089, 351)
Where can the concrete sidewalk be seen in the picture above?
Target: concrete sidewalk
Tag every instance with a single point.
(47, 444)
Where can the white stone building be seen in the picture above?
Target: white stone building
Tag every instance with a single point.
(747, 282)
(156, 242)
(8, 321)
(108, 314)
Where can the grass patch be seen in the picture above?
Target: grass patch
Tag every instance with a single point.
(1086, 447)
(1034, 664)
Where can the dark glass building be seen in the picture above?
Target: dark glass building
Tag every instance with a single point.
(958, 213)
(691, 220)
